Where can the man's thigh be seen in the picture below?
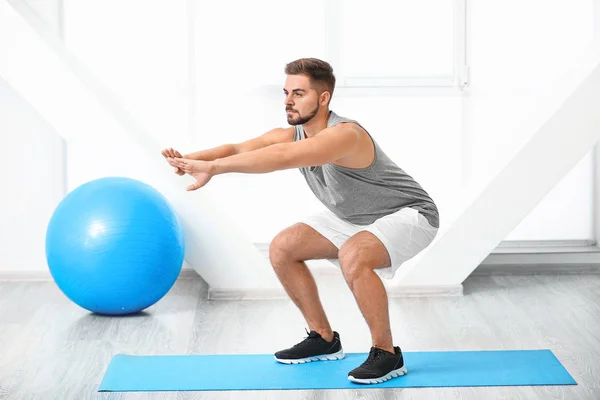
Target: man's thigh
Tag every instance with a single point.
(302, 242)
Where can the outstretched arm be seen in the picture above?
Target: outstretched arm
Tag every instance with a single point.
(327, 146)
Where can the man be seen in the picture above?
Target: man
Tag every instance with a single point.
(377, 216)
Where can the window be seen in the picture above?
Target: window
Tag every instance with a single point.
(375, 44)
(398, 43)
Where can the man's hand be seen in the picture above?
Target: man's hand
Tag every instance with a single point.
(202, 171)
(173, 154)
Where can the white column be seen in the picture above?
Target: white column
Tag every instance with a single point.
(596, 45)
(571, 131)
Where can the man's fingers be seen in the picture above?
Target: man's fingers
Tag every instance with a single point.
(168, 152)
(179, 163)
(171, 154)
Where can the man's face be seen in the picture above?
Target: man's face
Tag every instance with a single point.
(301, 100)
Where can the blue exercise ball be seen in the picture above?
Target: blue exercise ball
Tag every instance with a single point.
(114, 246)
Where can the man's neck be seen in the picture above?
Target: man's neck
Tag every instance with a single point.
(317, 124)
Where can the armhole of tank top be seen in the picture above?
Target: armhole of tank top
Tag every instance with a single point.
(297, 133)
(375, 158)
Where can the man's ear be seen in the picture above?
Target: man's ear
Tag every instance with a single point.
(324, 98)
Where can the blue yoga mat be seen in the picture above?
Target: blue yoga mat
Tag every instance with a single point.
(261, 372)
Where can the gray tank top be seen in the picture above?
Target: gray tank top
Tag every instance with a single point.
(361, 196)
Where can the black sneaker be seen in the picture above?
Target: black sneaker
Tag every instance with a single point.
(312, 348)
(379, 367)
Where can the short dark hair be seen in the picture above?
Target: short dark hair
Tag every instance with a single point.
(319, 72)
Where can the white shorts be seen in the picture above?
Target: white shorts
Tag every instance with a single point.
(404, 234)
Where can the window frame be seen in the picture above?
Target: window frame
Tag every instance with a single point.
(458, 80)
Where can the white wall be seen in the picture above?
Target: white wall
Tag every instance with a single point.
(32, 182)
(517, 50)
(139, 50)
(142, 58)
(33, 175)
(146, 56)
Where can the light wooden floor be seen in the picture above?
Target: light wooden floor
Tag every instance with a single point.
(51, 349)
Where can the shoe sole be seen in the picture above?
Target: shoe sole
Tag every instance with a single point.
(323, 357)
(394, 374)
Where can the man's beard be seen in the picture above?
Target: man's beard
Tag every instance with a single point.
(297, 119)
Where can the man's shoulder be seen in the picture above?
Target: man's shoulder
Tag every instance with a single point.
(335, 120)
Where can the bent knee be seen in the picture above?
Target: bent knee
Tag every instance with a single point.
(281, 249)
(350, 256)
